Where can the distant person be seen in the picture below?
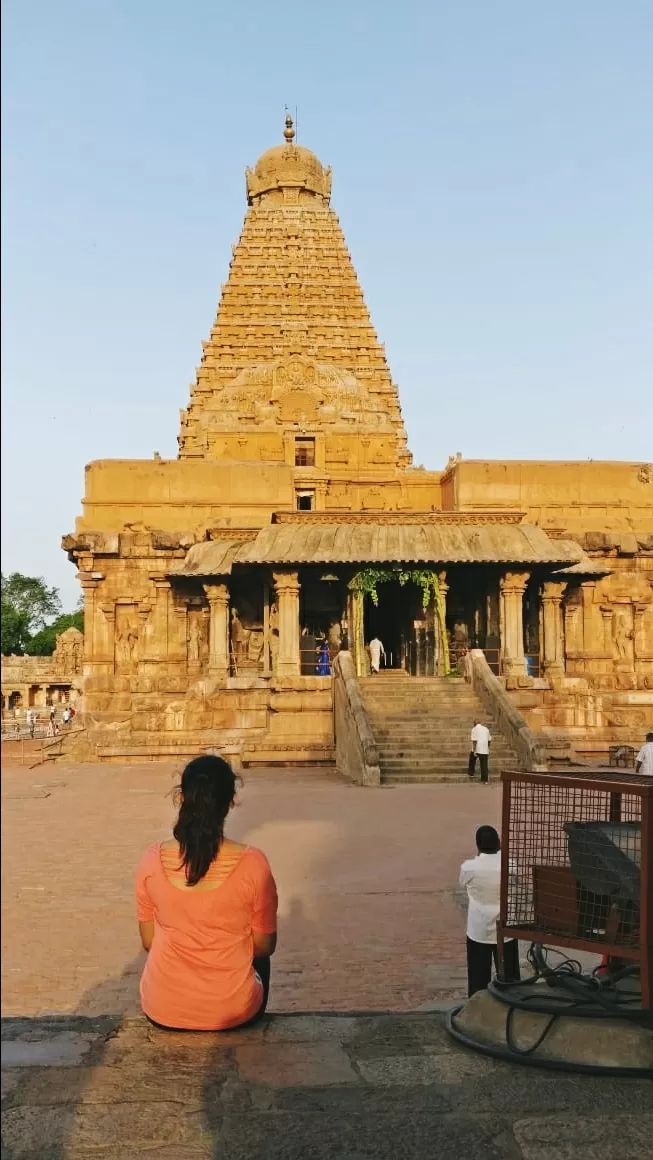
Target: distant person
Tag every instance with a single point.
(376, 652)
(323, 659)
(66, 716)
(207, 913)
(644, 759)
(31, 722)
(481, 739)
(481, 877)
(52, 723)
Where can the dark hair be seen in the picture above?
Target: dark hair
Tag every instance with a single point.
(487, 840)
(208, 787)
(649, 736)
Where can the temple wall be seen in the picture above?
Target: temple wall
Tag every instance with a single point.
(572, 496)
(197, 494)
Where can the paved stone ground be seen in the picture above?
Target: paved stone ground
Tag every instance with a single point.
(371, 921)
(387, 1087)
(371, 917)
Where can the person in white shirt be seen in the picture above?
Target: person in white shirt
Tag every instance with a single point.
(480, 739)
(481, 876)
(644, 760)
(376, 652)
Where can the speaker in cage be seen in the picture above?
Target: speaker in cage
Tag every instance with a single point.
(605, 859)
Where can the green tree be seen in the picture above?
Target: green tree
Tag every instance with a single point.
(27, 607)
(43, 643)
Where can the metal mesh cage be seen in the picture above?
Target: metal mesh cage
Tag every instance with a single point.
(576, 869)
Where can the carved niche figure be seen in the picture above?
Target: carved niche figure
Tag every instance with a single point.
(126, 644)
(195, 638)
(622, 635)
(126, 650)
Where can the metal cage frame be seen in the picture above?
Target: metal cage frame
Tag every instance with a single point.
(613, 783)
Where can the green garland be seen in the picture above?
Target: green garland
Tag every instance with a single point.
(367, 582)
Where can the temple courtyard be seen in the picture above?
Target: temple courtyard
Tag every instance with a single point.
(371, 917)
(353, 1064)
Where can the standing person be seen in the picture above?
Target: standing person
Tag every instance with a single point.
(644, 760)
(376, 652)
(323, 659)
(207, 913)
(481, 876)
(481, 739)
(52, 723)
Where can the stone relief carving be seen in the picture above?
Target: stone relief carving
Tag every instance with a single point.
(195, 636)
(126, 640)
(294, 389)
(68, 653)
(622, 635)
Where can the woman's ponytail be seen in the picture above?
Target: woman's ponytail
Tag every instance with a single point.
(208, 788)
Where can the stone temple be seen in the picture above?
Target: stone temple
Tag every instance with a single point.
(293, 514)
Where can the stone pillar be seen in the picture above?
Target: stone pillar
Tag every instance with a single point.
(89, 586)
(587, 590)
(287, 589)
(218, 598)
(513, 586)
(641, 648)
(157, 650)
(553, 653)
(606, 613)
(443, 661)
(267, 667)
(572, 625)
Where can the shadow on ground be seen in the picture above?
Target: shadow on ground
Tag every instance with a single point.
(298, 1087)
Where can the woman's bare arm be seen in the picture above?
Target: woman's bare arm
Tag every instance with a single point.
(146, 931)
(264, 944)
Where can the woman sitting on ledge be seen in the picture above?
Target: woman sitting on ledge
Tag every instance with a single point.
(207, 913)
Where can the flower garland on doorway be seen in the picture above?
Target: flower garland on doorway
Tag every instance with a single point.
(366, 583)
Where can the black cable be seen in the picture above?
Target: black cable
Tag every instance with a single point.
(509, 1056)
(585, 995)
(538, 1042)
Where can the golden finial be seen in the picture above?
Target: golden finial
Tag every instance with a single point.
(289, 131)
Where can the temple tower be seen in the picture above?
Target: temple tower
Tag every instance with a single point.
(293, 370)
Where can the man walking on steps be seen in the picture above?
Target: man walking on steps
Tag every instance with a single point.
(376, 652)
(480, 748)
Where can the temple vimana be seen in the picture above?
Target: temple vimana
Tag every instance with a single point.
(230, 594)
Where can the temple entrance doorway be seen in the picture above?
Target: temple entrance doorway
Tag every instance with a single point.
(404, 627)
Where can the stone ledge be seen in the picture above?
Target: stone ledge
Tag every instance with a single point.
(325, 1086)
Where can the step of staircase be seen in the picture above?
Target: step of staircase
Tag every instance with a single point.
(421, 726)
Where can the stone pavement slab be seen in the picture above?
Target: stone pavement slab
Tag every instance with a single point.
(321, 1087)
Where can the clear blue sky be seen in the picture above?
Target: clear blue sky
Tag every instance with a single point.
(493, 173)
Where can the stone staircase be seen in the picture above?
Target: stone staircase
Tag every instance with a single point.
(421, 726)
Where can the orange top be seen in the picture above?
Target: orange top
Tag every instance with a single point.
(199, 972)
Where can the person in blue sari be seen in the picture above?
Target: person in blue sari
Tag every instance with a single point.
(323, 659)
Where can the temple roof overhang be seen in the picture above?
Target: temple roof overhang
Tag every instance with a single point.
(376, 543)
